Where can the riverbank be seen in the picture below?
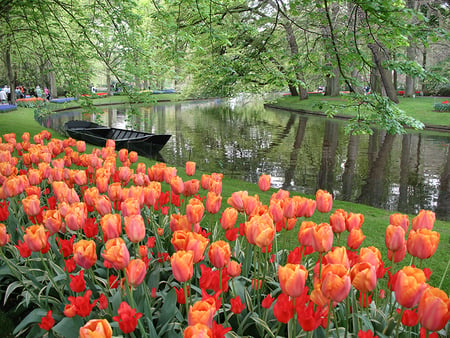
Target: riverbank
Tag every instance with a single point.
(420, 108)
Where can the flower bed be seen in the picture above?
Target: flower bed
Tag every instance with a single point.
(30, 102)
(442, 107)
(91, 247)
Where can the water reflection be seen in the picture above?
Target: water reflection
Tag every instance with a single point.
(301, 153)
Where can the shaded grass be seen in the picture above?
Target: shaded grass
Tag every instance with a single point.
(376, 220)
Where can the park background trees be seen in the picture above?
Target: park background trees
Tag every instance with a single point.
(207, 48)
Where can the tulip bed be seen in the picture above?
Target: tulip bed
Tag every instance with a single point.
(93, 248)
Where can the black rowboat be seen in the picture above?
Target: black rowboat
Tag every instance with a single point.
(93, 133)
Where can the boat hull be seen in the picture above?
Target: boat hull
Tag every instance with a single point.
(141, 142)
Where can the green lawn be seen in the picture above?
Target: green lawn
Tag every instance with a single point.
(376, 220)
(421, 108)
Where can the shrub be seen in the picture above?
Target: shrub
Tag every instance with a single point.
(442, 107)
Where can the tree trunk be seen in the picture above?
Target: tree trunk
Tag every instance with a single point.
(108, 82)
(53, 86)
(332, 86)
(386, 75)
(11, 77)
(410, 81)
(375, 81)
(293, 89)
(293, 47)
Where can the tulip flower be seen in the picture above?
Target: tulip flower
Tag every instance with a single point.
(336, 282)
(264, 182)
(292, 279)
(77, 283)
(409, 286)
(364, 277)
(31, 205)
(127, 318)
(260, 230)
(84, 253)
(190, 168)
(219, 254)
(355, 238)
(424, 220)
(324, 201)
(202, 312)
(394, 237)
(190, 241)
(400, 220)
(35, 237)
(322, 237)
(116, 253)
(195, 210)
(236, 305)
(47, 321)
(198, 330)
(135, 228)
(182, 263)
(191, 188)
(135, 272)
(283, 308)
(76, 216)
(130, 207)
(353, 221)
(237, 200)
(111, 225)
(422, 243)
(434, 309)
(305, 233)
(4, 237)
(337, 221)
(228, 219)
(338, 255)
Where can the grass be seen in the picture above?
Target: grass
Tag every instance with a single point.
(376, 220)
(421, 108)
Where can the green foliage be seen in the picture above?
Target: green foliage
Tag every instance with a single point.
(442, 107)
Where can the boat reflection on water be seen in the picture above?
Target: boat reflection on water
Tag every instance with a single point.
(301, 153)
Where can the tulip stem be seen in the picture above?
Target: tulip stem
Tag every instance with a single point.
(330, 310)
(133, 304)
(398, 322)
(51, 277)
(443, 276)
(186, 299)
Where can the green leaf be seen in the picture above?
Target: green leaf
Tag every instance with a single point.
(168, 310)
(33, 317)
(11, 287)
(68, 328)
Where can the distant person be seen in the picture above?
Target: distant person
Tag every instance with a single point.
(367, 90)
(47, 94)
(38, 91)
(3, 97)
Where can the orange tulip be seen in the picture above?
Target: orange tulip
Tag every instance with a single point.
(125, 174)
(133, 157)
(204, 181)
(35, 237)
(276, 210)
(179, 222)
(400, 220)
(335, 282)
(34, 176)
(135, 228)
(190, 241)
(324, 201)
(422, 243)
(213, 202)
(234, 268)
(398, 255)
(123, 155)
(90, 194)
(190, 168)
(202, 312)
(434, 309)
(424, 220)
(338, 256)
(215, 186)
(355, 238)
(353, 221)
(182, 263)
(237, 200)
(305, 233)
(101, 182)
(219, 254)
(31, 205)
(370, 255)
(260, 230)
(156, 172)
(169, 172)
(394, 237)
(250, 204)
(116, 253)
(289, 207)
(4, 237)
(409, 286)
(151, 193)
(96, 328)
(191, 187)
(195, 210)
(81, 146)
(264, 182)
(102, 205)
(317, 296)
(337, 221)
(292, 279)
(115, 191)
(364, 277)
(177, 185)
(197, 331)
(130, 207)
(84, 253)
(52, 221)
(76, 216)
(322, 237)
(135, 272)
(80, 177)
(228, 219)
(111, 225)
